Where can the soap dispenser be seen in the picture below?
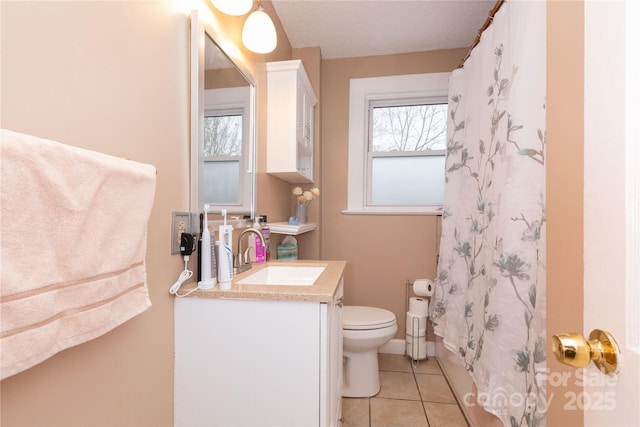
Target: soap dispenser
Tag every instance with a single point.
(266, 233)
(259, 248)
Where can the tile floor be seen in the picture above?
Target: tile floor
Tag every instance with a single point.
(408, 397)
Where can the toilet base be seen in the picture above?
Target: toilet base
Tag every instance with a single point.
(361, 377)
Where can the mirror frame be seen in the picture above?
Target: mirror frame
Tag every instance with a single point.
(199, 31)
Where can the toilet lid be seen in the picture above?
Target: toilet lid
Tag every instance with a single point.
(359, 318)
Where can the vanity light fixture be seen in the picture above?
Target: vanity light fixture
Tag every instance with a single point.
(233, 7)
(259, 33)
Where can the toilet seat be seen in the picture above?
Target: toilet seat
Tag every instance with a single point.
(366, 318)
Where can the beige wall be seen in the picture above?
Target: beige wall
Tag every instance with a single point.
(114, 77)
(309, 244)
(382, 251)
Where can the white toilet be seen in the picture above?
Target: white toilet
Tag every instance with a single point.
(364, 330)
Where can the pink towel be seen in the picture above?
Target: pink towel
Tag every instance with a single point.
(73, 242)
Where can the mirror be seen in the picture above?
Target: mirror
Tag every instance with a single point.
(222, 128)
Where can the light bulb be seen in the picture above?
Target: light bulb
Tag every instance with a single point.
(233, 7)
(259, 33)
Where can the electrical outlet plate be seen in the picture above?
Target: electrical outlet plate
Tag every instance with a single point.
(180, 223)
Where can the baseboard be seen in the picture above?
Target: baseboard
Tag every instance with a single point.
(393, 347)
(397, 346)
(431, 348)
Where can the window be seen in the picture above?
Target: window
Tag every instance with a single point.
(222, 157)
(227, 169)
(405, 160)
(397, 141)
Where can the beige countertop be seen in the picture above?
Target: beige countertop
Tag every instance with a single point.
(321, 291)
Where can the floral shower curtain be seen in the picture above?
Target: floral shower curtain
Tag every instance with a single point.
(489, 301)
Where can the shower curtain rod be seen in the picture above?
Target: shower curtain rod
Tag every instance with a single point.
(486, 24)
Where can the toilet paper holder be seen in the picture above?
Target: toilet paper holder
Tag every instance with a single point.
(409, 287)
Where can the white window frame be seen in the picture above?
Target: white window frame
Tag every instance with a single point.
(236, 100)
(432, 87)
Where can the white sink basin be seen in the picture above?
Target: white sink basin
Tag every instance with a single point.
(284, 275)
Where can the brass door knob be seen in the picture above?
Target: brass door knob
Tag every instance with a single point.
(573, 350)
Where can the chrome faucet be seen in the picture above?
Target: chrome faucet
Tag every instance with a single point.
(242, 260)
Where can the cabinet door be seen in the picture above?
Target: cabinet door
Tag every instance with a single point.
(246, 362)
(331, 361)
(308, 109)
(290, 120)
(304, 145)
(335, 353)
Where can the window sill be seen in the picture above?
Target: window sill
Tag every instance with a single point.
(398, 211)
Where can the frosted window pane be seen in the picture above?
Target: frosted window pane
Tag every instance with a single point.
(221, 182)
(414, 181)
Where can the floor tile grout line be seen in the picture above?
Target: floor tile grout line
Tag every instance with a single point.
(455, 396)
(415, 379)
(398, 398)
(456, 403)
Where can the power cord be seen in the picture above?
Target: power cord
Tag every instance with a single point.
(187, 246)
(184, 276)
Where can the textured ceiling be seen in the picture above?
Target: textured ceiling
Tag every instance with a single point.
(348, 28)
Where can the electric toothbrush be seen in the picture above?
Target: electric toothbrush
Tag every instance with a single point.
(206, 282)
(225, 262)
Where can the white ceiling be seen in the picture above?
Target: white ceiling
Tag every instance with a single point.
(348, 28)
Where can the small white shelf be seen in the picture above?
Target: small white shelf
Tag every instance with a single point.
(292, 230)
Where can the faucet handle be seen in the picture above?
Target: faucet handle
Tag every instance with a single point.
(235, 260)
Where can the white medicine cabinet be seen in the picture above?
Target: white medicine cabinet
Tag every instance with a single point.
(291, 105)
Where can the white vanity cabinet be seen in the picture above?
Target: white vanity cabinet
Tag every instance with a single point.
(241, 362)
(291, 105)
